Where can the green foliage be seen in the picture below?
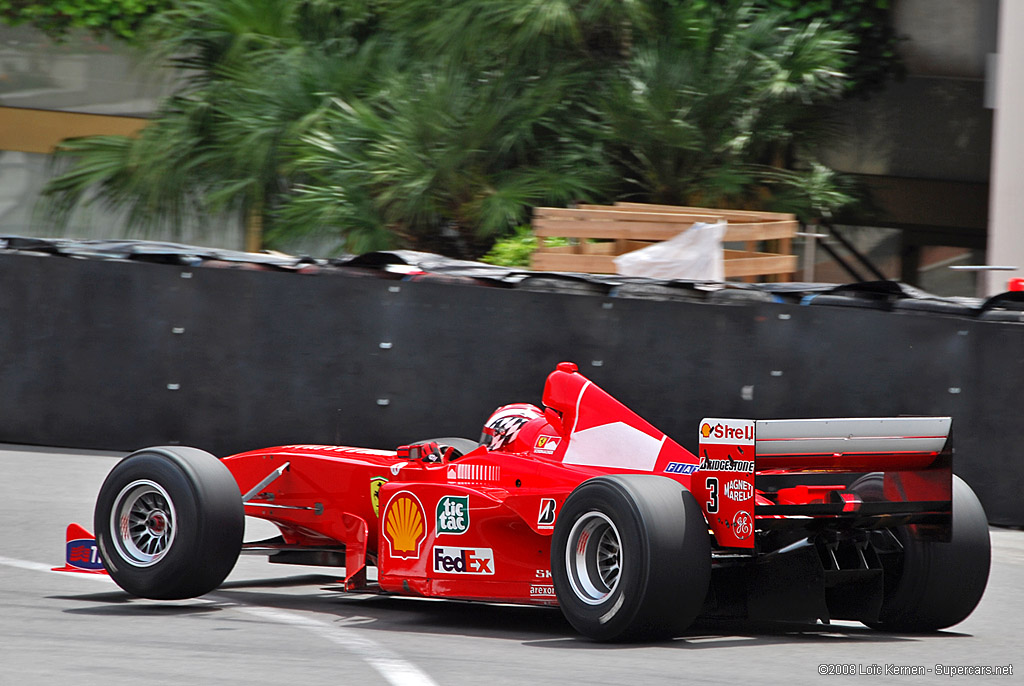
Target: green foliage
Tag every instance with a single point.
(696, 116)
(446, 158)
(812, 193)
(122, 18)
(874, 59)
(515, 250)
(440, 124)
(526, 33)
(220, 143)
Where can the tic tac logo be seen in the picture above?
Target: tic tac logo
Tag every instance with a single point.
(453, 514)
(375, 484)
(738, 490)
(546, 445)
(731, 431)
(404, 525)
(463, 560)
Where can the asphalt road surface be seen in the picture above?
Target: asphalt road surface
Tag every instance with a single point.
(277, 624)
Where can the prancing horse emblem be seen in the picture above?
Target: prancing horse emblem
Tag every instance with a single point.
(375, 485)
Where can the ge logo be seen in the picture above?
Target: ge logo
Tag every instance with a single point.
(743, 525)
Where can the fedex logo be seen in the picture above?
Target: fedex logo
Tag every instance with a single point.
(731, 431)
(463, 560)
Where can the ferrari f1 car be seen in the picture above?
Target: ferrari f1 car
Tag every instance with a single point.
(584, 505)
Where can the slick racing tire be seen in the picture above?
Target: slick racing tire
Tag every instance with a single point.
(630, 558)
(931, 585)
(169, 523)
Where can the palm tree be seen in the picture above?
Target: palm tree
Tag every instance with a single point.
(438, 124)
(526, 34)
(443, 158)
(254, 75)
(710, 111)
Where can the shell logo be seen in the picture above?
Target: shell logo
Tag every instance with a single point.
(705, 430)
(404, 525)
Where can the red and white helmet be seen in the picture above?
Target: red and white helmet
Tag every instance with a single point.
(504, 424)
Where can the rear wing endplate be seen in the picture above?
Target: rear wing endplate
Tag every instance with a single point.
(764, 474)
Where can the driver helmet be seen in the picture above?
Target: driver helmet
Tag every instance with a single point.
(504, 424)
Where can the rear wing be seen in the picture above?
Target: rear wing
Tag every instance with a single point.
(802, 473)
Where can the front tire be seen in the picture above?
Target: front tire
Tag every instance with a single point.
(630, 558)
(931, 585)
(169, 523)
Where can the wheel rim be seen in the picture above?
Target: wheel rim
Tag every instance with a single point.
(593, 558)
(142, 523)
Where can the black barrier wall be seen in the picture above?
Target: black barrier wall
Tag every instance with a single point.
(121, 355)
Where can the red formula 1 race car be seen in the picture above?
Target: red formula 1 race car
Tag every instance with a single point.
(585, 505)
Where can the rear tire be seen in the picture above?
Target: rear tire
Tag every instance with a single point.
(630, 558)
(169, 523)
(931, 585)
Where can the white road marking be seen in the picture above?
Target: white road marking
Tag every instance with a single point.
(396, 670)
(40, 567)
(24, 564)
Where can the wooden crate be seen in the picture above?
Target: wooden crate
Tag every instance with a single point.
(599, 233)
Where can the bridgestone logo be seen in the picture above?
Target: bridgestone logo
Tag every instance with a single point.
(729, 465)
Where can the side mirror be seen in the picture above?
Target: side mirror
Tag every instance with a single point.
(555, 420)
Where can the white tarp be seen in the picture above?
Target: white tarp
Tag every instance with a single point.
(694, 254)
